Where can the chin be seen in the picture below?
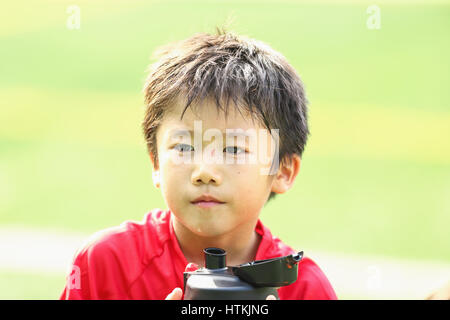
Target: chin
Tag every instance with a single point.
(207, 230)
(206, 223)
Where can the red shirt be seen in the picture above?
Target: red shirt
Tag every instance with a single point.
(143, 260)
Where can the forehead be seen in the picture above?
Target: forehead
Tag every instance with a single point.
(211, 117)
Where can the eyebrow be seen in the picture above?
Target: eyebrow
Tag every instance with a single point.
(179, 132)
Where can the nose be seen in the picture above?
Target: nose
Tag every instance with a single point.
(206, 174)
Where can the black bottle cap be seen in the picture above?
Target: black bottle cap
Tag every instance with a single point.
(215, 258)
(275, 272)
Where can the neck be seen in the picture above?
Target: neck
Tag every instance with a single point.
(241, 244)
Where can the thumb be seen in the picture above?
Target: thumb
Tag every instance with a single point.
(176, 294)
(191, 267)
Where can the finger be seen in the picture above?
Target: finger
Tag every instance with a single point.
(271, 297)
(176, 294)
(191, 267)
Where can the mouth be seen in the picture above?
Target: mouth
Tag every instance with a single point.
(206, 201)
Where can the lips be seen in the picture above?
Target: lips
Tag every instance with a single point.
(206, 201)
(206, 198)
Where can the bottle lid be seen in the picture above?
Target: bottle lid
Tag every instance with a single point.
(215, 258)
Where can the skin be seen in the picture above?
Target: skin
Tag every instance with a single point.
(241, 186)
(442, 293)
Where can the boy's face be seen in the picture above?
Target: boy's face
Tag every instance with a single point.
(243, 185)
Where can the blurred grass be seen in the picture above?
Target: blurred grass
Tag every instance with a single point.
(375, 176)
(30, 286)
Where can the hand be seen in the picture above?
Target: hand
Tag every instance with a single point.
(442, 293)
(176, 294)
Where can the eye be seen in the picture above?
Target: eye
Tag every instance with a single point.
(235, 150)
(182, 147)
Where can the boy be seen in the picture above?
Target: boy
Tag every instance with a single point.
(200, 95)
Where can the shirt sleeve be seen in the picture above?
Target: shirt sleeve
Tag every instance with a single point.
(77, 274)
(96, 273)
(311, 284)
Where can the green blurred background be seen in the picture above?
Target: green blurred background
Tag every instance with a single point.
(375, 176)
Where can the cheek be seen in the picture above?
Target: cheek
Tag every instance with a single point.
(249, 181)
(173, 176)
(173, 185)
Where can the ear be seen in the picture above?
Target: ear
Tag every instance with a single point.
(155, 172)
(156, 179)
(285, 177)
